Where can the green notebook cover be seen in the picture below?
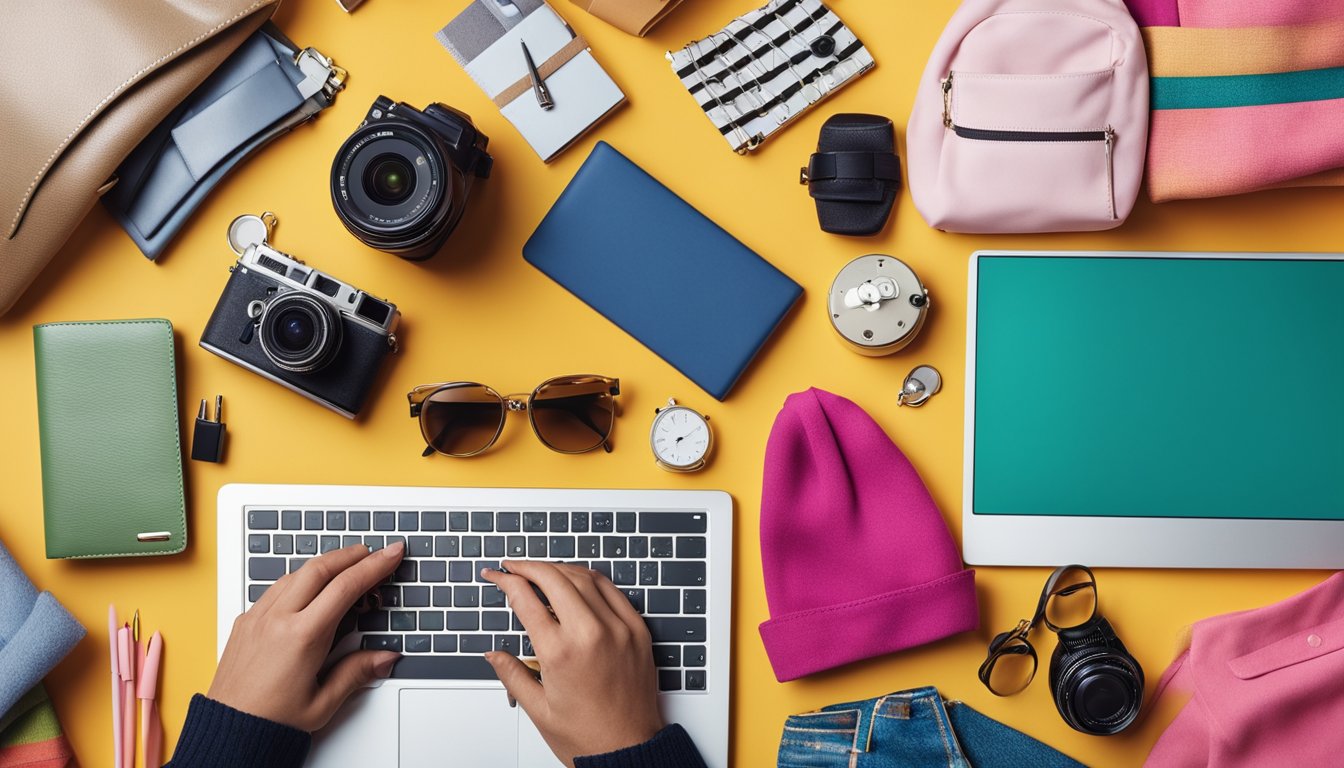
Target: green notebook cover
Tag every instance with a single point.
(111, 455)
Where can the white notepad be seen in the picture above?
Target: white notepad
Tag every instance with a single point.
(582, 91)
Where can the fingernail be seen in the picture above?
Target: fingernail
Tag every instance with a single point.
(385, 666)
(394, 549)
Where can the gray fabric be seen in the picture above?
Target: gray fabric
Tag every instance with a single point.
(250, 100)
(479, 26)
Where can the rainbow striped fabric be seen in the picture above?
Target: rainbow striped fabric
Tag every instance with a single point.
(1245, 95)
(31, 736)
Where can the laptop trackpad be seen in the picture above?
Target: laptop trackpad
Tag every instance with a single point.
(458, 729)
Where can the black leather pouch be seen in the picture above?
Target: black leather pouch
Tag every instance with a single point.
(855, 174)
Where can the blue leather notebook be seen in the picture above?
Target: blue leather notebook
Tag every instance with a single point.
(658, 268)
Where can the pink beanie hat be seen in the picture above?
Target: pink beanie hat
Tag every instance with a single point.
(858, 561)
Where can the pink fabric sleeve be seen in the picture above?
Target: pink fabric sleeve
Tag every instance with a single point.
(1155, 13)
(1185, 742)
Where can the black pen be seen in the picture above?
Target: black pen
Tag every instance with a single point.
(539, 88)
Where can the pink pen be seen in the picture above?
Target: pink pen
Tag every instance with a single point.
(112, 632)
(126, 662)
(151, 729)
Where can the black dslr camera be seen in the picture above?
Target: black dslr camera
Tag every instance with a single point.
(400, 182)
(300, 328)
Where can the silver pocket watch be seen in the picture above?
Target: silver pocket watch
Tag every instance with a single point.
(681, 438)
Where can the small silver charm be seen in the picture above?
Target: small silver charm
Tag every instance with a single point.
(922, 383)
(249, 230)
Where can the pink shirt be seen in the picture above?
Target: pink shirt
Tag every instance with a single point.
(1267, 686)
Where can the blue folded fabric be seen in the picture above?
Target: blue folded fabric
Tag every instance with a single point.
(36, 632)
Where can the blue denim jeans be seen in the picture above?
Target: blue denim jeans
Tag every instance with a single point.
(909, 729)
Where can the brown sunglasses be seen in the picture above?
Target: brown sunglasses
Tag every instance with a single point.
(569, 414)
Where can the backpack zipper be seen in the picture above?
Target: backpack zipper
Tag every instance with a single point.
(980, 134)
(1106, 136)
(1110, 168)
(947, 101)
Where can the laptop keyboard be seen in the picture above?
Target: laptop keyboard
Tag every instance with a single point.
(438, 611)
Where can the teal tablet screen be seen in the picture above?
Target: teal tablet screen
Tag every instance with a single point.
(1159, 387)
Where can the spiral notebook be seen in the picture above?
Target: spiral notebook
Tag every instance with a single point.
(766, 68)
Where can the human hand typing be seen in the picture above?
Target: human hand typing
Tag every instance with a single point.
(599, 690)
(271, 663)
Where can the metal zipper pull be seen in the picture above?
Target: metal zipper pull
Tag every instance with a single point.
(947, 101)
(1110, 168)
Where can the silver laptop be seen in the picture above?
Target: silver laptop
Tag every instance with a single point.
(670, 552)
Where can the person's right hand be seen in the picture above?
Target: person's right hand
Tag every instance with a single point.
(599, 690)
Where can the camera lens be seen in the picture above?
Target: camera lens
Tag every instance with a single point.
(299, 332)
(1097, 684)
(294, 330)
(389, 180)
(394, 186)
(1102, 694)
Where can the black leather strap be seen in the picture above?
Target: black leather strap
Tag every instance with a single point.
(1016, 641)
(855, 174)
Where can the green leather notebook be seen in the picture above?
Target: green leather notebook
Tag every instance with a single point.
(111, 457)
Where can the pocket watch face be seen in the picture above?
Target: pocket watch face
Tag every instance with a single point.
(680, 437)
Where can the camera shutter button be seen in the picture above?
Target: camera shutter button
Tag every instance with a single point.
(1314, 640)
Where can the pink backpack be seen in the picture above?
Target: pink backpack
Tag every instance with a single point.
(1031, 116)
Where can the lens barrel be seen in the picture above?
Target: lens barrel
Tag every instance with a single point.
(299, 332)
(1097, 685)
(392, 187)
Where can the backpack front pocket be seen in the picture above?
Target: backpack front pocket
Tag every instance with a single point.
(1028, 152)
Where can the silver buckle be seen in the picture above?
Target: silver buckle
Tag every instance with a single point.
(320, 74)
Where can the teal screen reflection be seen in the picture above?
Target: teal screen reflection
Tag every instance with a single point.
(1159, 387)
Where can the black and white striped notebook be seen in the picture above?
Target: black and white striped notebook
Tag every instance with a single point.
(768, 67)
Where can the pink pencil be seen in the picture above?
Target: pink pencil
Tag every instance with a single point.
(151, 729)
(127, 667)
(112, 633)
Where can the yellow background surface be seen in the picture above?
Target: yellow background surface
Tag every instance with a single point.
(479, 312)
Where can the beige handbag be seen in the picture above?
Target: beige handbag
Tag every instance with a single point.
(82, 82)
(636, 17)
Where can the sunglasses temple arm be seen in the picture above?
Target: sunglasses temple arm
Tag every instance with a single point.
(587, 422)
(429, 446)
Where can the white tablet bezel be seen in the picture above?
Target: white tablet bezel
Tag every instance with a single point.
(1133, 542)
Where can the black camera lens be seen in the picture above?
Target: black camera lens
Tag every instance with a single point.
(391, 188)
(299, 332)
(294, 330)
(400, 182)
(389, 180)
(1097, 684)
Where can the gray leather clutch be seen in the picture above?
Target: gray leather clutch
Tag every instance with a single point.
(266, 88)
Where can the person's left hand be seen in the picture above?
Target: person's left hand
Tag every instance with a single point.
(271, 663)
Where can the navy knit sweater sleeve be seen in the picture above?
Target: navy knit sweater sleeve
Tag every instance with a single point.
(219, 736)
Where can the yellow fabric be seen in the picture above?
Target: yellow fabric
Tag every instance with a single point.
(1196, 52)
(478, 311)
